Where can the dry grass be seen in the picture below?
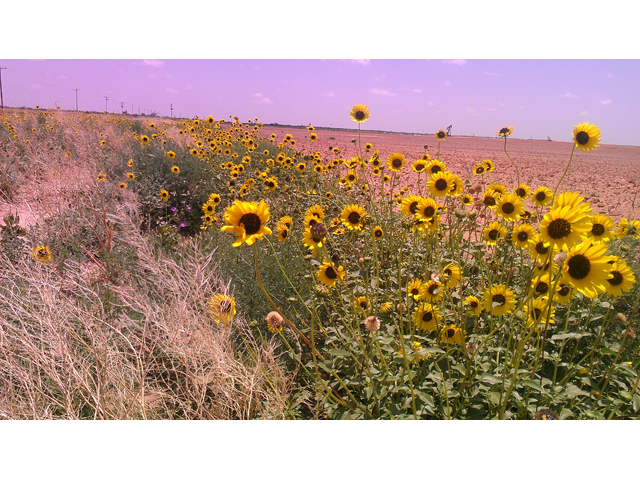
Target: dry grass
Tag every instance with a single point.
(129, 340)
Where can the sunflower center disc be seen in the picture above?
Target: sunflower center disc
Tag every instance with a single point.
(493, 234)
(412, 207)
(429, 211)
(435, 169)
(359, 115)
(579, 267)
(473, 304)
(541, 249)
(523, 236)
(536, 313)
(499, 298)
(378, 233)
(582, 138)
(427, 316)
(354, 218)
(540, 196)
(559, 228)
(441, 184)
(225, 306)
(251, 223)
(397, 163)
(616, 280)
(331, 273)
(489, 201)
(542, 288)
(450, 332)
(521, 192)
(597, 229)
(508, 208)
(479, 170)
(432, 289)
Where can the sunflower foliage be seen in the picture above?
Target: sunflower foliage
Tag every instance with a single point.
(451, 300)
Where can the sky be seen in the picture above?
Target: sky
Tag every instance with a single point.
(539, 98)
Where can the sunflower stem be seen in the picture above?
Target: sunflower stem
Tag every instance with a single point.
(553, 198)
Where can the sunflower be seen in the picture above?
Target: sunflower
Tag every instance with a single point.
(377, 232)
(441, 135)
(498, 300)
(586, 268)
(282, 233)
(419, 166)
(509, 207)
(435, 166)
(130, 163)
(473, 304)
(164, 195)
(537, 311)
(622, 277)
(396, 162)
(352, 217)
(542, 283)
(523, 235)
(564, 293)
(221, 308)
(313, 137)
(301, 167)
(505, 131)
(351, 176)
(41, 253)
(175, 169)
(271, 183)
(247, 221)
(494, 232)
(413, 289)
(466, 199)
(586, 136)
(362, 303)
(450, 275)
(208, 208)
(359, 113)
(122, 186)
(488, 166)
(409, 205)
(426, 317)
(131, 176)
(452, 334)
(601, 229)
(490, 198)
(480, 169)
(539, 249)
(573, 200)
(386, 178)
(440, 184)
(457, 186)
(541, 196)
(431, 291)
(144, 139)
(101, 177)
(564, 227)
(626, 227)
(214, 198)
(523, 191)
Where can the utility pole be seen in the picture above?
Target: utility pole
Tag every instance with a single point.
(106, 102)
(132, 109)
(171, 110)
(138, 110)
(122, 107)
(76, 89)
(1, 98)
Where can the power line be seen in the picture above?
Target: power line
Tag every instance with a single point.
(1, 98)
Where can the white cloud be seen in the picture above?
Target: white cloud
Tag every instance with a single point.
(62, 77)
(260, 99)
(447, 83)
(362, 62)
(567, 95)
(153, 63)
(329, 94)
(490, 109)
(430, 104)
(171, 90)
(455, 62)
(584, 113)
(472, 111)
(154, 76)
(606, 102)
(384, 93)
(491, 74)
(501, 104)
(412, 90)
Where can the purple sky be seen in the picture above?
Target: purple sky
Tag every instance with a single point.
(539, 98)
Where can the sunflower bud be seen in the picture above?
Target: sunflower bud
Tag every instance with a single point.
(318, 232)
(274, 322)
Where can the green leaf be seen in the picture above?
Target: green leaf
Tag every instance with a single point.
(490, 379)
(562, 336)
(531, 384)
(339, 353)
(573, 391)
(636, 403)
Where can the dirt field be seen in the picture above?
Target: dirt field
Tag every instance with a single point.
(609, 176)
